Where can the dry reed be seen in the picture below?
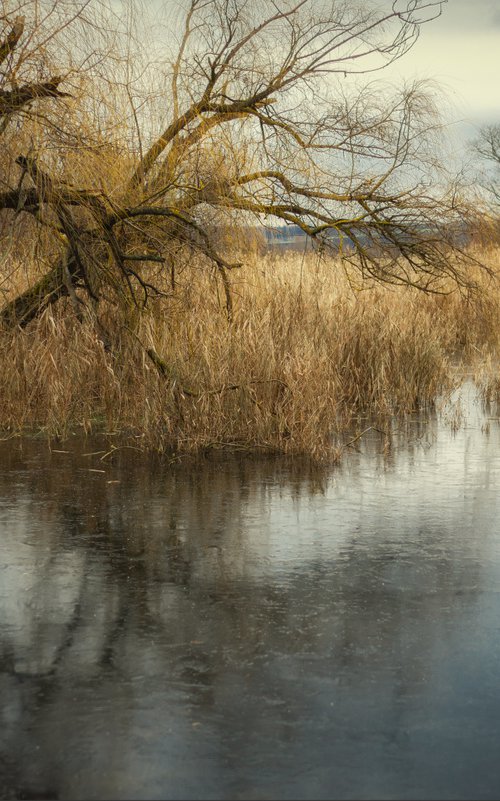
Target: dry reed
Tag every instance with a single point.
(308, 350)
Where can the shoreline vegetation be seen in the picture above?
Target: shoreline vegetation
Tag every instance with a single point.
(138, 299)
(310, 350)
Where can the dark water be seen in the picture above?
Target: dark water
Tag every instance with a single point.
(252, 628)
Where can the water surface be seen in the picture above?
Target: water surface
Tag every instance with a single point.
(253, 628)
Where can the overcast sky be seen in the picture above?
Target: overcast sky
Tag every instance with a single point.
(461, 50)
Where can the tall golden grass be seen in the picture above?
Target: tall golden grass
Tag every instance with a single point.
(309, 349)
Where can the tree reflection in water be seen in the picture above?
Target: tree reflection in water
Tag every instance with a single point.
(251, 628)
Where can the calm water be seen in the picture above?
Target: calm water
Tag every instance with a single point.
(253, 629)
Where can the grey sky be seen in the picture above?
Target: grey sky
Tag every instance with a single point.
(461, 51)
(468, 14)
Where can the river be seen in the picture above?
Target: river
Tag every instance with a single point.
(253, 628)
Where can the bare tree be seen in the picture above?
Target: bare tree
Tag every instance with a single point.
(487, 147)
(260, 113)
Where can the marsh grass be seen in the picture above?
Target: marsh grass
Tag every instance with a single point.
(308, 351)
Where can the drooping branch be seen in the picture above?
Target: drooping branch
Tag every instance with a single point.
(13, 100)
(183, 221)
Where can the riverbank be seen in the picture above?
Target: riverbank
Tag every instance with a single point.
(309, 349)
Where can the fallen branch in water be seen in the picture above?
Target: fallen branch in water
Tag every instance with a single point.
(355, 439)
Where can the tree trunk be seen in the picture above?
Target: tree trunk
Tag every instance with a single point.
(30, 303)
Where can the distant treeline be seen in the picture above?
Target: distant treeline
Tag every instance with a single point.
(292, 236)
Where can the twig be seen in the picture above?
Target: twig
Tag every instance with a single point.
(355, 439)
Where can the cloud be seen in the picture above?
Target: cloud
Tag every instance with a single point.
(470, 15)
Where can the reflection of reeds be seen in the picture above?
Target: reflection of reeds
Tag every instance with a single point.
(306, 352)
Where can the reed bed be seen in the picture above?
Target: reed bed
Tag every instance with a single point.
(309, 350)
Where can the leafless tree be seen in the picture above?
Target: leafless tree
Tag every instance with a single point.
(487, 147)
(263, 112)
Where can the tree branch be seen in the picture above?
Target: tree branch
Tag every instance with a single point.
(17, 98)
(12, 38)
